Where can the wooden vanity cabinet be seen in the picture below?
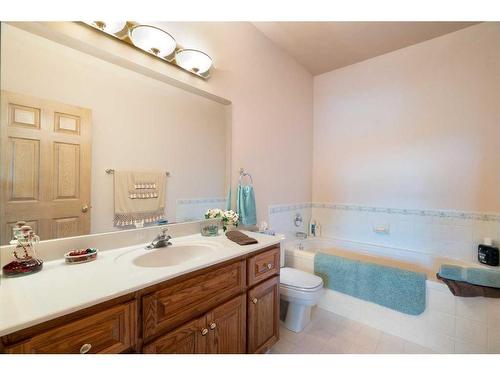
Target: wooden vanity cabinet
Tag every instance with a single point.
(220, 331)
(263, 316)
(110, 331)
(232, 307)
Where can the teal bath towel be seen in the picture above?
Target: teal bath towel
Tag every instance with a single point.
(391, 287)
(245, 205)
(472, 275)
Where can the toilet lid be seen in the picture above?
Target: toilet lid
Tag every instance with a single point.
(299, 279)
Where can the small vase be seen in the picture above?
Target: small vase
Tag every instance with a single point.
(228, 227)
(209, 229)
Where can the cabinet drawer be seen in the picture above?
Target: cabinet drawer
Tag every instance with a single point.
(109, 331)
(185, 300)
(263, 265)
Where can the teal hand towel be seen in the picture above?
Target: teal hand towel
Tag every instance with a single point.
(245, 205)
(395, 288)
(228, 199)
(471, 275)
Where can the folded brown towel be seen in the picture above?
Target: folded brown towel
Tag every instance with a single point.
(240, 238)
(463, 289)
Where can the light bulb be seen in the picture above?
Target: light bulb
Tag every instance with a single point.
(193, 60)
(153, 40)
(110, 27)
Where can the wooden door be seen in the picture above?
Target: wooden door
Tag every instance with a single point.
(263, 316)
(227, 327)
(45, 166)
(191, 338)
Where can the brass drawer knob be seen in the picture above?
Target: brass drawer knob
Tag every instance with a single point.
(254, 300)
(85, 348)
(213, 325)
(204, 331)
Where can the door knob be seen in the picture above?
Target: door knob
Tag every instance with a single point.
(85, 348)
(254, 300)
(85, 208)
(204, 331)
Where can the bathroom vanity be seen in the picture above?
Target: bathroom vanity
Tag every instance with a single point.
(227, 302)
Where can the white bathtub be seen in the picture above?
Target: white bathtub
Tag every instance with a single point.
(449, 324)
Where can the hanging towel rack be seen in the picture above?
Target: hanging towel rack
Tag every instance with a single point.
(245, 174)
(112, 171)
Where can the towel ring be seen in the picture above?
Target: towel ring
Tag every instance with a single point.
(245, 174)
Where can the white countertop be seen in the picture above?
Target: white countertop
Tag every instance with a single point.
(59, 288)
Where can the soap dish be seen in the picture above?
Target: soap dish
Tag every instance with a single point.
(81, 256)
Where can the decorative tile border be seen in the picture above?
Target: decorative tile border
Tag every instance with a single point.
(465, 215)
(288, 207)
(200, 201)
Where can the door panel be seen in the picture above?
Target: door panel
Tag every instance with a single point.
(66, 170)
(24, 169)
(227, 327)
(263, 316)
(187, 339)
(45, 172)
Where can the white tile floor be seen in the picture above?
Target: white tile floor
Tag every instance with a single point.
(329, 333)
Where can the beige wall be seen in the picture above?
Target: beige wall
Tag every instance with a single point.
(271, 95)
(271, 98)
(415, 128)
(137, 122)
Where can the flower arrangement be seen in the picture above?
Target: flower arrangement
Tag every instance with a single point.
(228, 217)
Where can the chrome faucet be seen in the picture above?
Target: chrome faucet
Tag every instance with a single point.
(161, 240)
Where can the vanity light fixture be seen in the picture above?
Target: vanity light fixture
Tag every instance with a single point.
(153, 40)
(159, 43)
(193, 60)
(109, 27)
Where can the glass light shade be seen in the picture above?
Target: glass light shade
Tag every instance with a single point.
(193, 60)
(110, 27)
(152, 39)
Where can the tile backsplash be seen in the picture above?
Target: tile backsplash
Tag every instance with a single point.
(194, 209)
(454, 234)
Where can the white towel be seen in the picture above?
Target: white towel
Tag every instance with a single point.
(139, 197)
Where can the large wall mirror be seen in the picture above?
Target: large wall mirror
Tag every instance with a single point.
(88, 146)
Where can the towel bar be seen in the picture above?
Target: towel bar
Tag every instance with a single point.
(112, 171)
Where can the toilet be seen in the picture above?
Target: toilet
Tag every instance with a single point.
(301, 290)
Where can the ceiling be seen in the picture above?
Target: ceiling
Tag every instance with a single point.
(324, 46)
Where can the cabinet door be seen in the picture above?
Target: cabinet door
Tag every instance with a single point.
(191, 338)
(227, 327)
(263, 316)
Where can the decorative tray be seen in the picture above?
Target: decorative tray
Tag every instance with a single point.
(81, 256)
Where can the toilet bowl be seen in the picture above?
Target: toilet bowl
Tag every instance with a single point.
(301, 290)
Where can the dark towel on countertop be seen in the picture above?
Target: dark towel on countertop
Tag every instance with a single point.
(464, 289)
(240, 238)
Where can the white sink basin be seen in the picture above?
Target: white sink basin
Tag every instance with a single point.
(173, 255)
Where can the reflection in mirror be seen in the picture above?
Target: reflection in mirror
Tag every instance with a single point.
(67, 117)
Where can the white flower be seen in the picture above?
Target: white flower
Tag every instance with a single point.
(213, 213)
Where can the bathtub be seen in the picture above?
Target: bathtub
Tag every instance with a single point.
(448, 325)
